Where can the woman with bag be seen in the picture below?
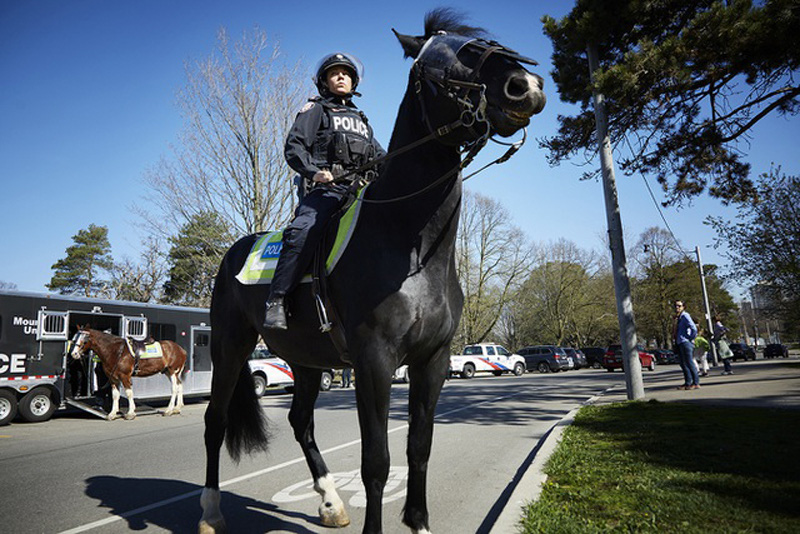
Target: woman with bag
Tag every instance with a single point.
(724, 351)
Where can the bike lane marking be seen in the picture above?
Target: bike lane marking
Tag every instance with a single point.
(196, 493)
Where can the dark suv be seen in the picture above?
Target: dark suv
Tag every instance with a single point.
(776, 350)
(594, 356)
(742, 352)
(546, 358)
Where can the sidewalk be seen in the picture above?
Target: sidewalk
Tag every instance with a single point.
(771, 383)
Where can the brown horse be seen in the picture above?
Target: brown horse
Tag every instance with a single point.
(118, 364)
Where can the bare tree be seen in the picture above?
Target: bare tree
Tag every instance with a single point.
(142, 280)
(492, 258)
(565, 298)
(237, 106)
(655, 255)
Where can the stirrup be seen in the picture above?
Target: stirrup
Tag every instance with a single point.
(324, 324)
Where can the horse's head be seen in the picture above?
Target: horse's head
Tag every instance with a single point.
(80, 343)
(457, 74)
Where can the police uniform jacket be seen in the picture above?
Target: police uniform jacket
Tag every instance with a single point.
(327, 132)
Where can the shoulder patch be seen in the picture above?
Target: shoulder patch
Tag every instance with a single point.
(306, 107)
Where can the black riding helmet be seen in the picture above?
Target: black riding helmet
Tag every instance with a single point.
(333, 60)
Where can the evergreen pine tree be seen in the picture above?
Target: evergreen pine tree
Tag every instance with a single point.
(81, 271)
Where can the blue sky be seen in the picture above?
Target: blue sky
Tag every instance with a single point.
(87, 96)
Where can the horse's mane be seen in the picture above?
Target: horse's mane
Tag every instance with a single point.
(450, 20)
(104, 336)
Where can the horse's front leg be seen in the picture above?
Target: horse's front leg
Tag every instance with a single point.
(114, 401)
(373, 389)
(301, 416)
(425, 385)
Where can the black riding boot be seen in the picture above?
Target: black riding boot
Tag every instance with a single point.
(275, 318)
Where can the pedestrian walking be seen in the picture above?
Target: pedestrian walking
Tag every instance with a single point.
(684, 332)
(720, 339)
(347, 377)
(701, 348)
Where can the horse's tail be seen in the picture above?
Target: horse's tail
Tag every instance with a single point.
(246, 426)
(247, 429)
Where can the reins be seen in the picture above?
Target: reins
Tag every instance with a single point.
(470, 115)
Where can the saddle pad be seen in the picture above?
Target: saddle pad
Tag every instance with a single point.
(259, 268)
(152, 351)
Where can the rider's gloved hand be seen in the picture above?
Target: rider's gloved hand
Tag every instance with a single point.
(323, 177)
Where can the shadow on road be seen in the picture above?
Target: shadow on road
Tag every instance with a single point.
(141, 502)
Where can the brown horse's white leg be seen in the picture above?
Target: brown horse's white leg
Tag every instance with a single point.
(114, 402)
(331, 509)
(171, 407)
(179, 406)
(131, 413)
(212, 521)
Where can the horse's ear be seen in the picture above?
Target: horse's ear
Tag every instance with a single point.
(411, 45)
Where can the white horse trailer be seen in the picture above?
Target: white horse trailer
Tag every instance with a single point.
(36, 375)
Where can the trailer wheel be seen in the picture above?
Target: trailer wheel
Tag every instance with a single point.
(37, 405)
(261, 385)
(8, 406)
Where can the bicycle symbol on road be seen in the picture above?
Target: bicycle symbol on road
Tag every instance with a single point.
(348, 482)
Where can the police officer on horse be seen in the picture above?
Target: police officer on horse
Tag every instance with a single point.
(329, 138)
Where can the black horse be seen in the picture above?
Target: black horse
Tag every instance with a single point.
(395, 291)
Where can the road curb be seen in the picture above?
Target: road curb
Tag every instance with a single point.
(531, 483)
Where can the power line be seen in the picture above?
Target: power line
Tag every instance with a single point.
(658, 206)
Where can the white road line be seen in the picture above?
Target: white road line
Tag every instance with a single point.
(196, 493)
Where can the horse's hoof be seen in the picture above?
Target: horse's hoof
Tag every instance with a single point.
(111, 416)
(212, 527)
(167, 412)
(333, 517)
(130, 416)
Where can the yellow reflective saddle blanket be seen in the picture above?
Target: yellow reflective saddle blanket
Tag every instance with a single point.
(151, 350)
(259, 268)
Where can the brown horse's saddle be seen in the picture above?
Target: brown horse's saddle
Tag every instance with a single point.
(149, 348)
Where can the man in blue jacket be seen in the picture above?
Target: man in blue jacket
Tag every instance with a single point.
(683, 336)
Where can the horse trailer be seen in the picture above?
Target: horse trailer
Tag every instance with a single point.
(36, 375)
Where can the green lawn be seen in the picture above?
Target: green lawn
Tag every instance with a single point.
(670, 467)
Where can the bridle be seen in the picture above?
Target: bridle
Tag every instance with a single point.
(472, 111)
(78, 341)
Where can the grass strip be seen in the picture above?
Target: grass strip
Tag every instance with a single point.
(671, 467)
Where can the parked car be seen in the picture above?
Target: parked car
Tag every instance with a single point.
(742, 352)
(269, 370)
(594, 356)
(577, 356)
(776, 350)
(488, 357)
(664, 356)
(613, 358)
(546, 358)
(401, 374)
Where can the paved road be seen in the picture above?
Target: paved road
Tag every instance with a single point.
(78, 474)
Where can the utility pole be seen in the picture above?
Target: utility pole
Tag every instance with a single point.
(622, 286)
(709, 324)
